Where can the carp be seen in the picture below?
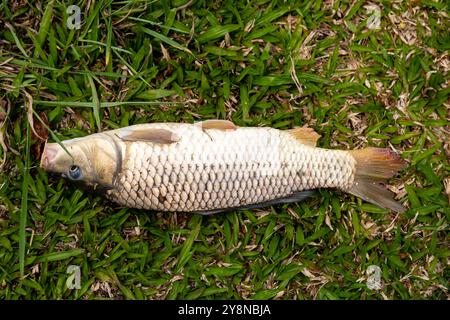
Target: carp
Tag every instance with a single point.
(214, 166)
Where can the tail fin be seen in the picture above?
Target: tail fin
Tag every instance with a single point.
(373, 165)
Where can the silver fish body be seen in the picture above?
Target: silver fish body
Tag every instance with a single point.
(195, 168)
(224, 169)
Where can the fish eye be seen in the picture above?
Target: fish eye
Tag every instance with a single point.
(75, 172)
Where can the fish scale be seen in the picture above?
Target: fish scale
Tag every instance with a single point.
(215, 169)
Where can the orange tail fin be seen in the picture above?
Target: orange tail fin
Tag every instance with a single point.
(373, 165)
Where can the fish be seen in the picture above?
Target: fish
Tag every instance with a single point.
(214, 166)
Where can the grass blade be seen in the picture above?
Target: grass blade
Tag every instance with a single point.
(186, 253)
(105, 45)
(63, 255)
(95, 102)
(24, 204)
(165, 39)
(43, 30)
(160, 25)
(154, 94)
(76, 104)
(54, 137)
(16, 40)
(217, 32)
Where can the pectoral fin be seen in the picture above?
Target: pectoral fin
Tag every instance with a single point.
(161, 136)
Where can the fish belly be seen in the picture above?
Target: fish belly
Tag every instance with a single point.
(216, 169)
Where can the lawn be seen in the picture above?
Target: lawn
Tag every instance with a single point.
(360, 73)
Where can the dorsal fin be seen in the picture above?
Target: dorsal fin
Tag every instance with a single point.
(305, 135)
(154, 135)
(216, 124)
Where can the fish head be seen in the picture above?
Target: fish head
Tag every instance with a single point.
(93, 160)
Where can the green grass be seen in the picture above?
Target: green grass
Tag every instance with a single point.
(257, 63)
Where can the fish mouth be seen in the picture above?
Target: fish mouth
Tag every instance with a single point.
(49, 155)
